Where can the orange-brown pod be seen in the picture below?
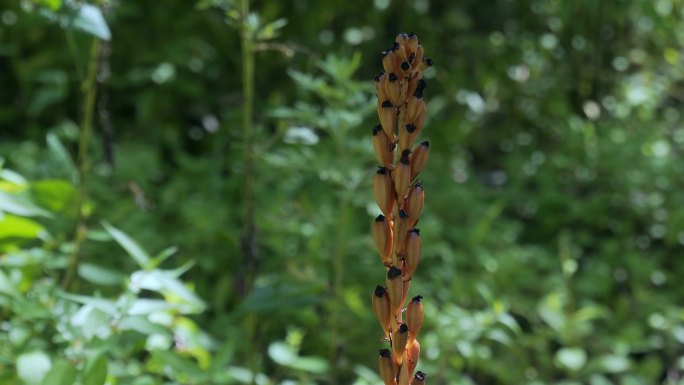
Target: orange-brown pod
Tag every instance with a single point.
(388, 118)
(414, 204)
(399, 339)
(419, 158)
(395, 287)
(387, 367)
(402, 175)
(383, 191)
(382, 235)
(414, 251)
(381, 308)
(414, 317)
(381, 146)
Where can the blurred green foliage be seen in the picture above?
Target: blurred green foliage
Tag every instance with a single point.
(554, 211)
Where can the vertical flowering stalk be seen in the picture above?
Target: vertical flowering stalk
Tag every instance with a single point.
(400, 197)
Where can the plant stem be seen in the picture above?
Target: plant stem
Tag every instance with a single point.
(248, 241)
(89, 89)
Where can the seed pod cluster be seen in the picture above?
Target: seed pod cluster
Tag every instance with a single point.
(400, 197)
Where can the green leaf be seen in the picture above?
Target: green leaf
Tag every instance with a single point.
(96, 371)
(62, 373)
(572, 358)
(20, 205)
(100, 275)
(17, 227)
(61, 157)
(6, 286)
(134, 250)
(90, 20)
(105, 305)
(32, 367)
(315, 365)
(57, 195)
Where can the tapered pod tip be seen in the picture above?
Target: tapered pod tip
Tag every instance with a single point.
(425, 143)
(380, 291)
(387, 104)
(386, 354)
(393, 272)
(380, 218)
(376, 129)
(422, 85)
(392, 77)
(415, 231)
(381, 170)
(378, 76)
(420, 376)
(429, 62)
(403, 328)
(417, 298)
(405, 156)
(411, 128)
(403, 214)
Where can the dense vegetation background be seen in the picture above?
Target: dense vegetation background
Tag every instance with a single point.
(164, 220)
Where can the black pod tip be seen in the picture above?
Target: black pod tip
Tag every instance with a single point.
(378, 76)
(381, 170)
(422, 84)
(415, 230)
(417, 298)
(411, 34)
(429, 62)
(419, 185)
(403, 34)
(393, 272)
(420, 376)
(410, 128)
(405, 157)
(387, 104)
(380, 218)
(385, 353)
(405, 65)
(403, 328)
(377, 129)
(392, 77)
(403, 214)
(425, 143)
(395, 46)
(380, 291)
(384, 53)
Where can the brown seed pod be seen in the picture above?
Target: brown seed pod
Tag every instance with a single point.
(387, 367)
(405, 291)
(393, 89)
(407, 134)
(381, 308)
(419, 54)
(380, 80)
(412, 354)
(400, 230)
(419, 378)
(388, 118)
(414, 204)
(414, 317)
(383, 237)
(404, 371)
(412, 43)
(395, 289)
(381, 146)
(414, 251)
(419, 158)
(383, 191)
(402, 175)
(413, 83)
(415, 107)
(399, 339)
(391, 60)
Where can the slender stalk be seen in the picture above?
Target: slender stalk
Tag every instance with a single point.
(89, 89)
(248, 238)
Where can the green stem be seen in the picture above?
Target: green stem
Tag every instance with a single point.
(249, 225)
(89, 89)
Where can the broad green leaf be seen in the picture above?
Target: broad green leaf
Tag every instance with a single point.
(572, 358)
(19, 204)
(105, 305)
(100, 275)
(90, 20)
(61, 158)
(316, 365)
(96, 371)
(12, 177)
(134, 250)
(6, 286)
(281, 353)
(17, 227)
(62, 373)
(57, 195)
(91, 322)
(32, 367)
